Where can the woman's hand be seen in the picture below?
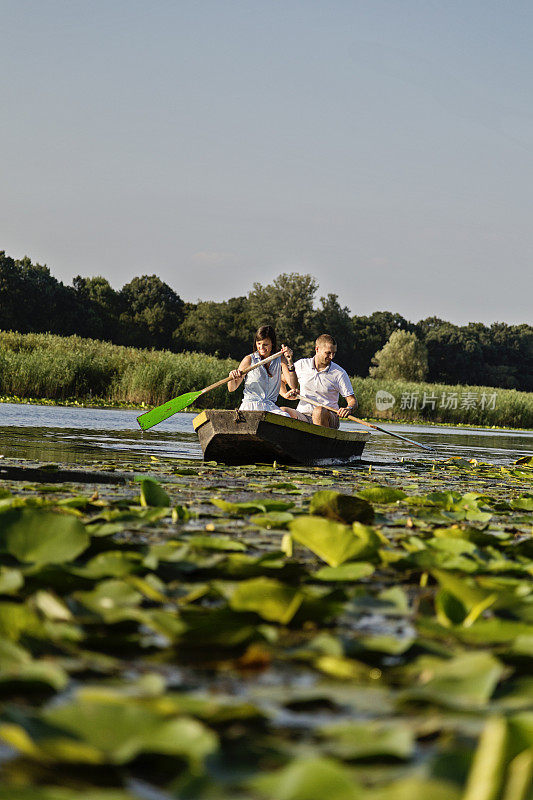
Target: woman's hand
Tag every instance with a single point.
(235, 374)
(287, 352)
(292, 394)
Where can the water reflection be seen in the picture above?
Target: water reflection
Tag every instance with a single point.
(71, 435)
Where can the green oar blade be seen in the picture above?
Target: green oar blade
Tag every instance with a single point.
(161, 413)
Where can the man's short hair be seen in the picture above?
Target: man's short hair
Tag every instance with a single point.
(325, 338)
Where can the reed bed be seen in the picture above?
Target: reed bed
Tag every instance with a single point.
(66, 368)
(71, 368)
(442, 403)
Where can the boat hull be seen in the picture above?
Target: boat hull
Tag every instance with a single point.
(249, 437)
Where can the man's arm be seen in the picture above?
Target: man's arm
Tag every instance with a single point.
(346, 389)
(350, 408)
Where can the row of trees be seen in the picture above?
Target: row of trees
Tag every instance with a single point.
(147, 312)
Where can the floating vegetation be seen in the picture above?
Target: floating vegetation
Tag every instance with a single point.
(211, 632)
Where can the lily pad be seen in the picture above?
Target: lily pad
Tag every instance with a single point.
(352, 571)
(466, 681)
(118, 730)
(332, 542)
(42, 537)
(271, 599)
(152, 494)
(341, 507)
(273, 519)
(381, 494)
(309, 779)
(241, 509)
(360, 740)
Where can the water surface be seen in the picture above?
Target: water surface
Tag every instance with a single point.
(71, 435)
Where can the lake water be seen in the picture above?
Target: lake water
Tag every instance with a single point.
(74, 435)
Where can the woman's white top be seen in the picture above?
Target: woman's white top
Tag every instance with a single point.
(261, 390)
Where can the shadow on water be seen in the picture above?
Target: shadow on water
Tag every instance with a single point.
(73, 435)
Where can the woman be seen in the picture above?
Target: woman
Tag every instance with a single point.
(262, 385)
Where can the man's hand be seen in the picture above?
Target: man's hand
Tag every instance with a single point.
(345, 412)
(292, 394)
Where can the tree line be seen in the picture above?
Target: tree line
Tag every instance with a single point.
(147, 312)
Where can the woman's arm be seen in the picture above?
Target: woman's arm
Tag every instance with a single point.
(236, 376)
(288, 372)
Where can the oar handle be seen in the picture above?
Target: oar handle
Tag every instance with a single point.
(362, 422)
(243, 372)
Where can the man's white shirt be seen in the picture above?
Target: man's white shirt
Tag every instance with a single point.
(323, 387)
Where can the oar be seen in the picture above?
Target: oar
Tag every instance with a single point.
(163, 412)
(368, 424)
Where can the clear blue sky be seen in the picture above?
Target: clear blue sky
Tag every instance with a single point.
(384, 146)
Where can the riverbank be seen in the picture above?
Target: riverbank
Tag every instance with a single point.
(85, 372)
(192, 410)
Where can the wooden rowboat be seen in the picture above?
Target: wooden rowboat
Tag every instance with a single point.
(249, 437)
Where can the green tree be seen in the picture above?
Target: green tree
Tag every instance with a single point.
(404, 357)
(32, 300)
(103, 307)
(220, 329)
(371, 333)
(332, 318)
(12, 306)
(153, 312)
(287, 304)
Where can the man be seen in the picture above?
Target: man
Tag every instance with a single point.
(323, 381)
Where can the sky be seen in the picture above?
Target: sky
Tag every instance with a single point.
(383, 146)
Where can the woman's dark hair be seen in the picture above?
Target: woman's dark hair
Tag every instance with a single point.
(266, 332)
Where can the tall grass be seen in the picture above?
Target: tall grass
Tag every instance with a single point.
(65, 368)
(438, 402)
(62, 368)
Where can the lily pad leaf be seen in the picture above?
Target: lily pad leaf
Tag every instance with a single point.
(309, 779)
(466, 681)
(62, 793)
(273, 519)
(216, 543)
(109, 595)
(352, 571)
(271, 599)
(523, 503)
(115, 732)
(417, 788)
(153, 495)
(109, 564)
(42, 536)
(11, 580)
(341, 507)
(241, 509)
(332, 542)
(357, 740)
(381, 494)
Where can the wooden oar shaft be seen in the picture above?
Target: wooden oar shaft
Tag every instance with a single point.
(362, 422)
(243, 372)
